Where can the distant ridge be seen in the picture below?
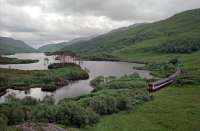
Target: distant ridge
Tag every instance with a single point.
(59, 46)
(10, 46)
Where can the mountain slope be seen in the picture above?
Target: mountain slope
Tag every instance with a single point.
(52, 47)
(183, 25)
(59, 46)
(9, 46)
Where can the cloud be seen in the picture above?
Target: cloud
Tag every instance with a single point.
(134, 10)
(39, 22)
(23, 2)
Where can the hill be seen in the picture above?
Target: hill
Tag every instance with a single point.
(178, 31)
(10, 46)
(52, 47)
(59, 46)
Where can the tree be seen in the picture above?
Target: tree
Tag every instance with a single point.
(174, 61)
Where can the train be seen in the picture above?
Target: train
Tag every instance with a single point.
(154, 86)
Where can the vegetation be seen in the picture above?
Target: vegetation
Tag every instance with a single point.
(110, 100)
(96, 81)
(173, 108)
(48, 80)
(11, 46)
(126, 82)
(6, 60)
(79, 112)
(181, 46)
(15, 111)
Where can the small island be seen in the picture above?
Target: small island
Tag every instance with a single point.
(6, 60)
(48, 80)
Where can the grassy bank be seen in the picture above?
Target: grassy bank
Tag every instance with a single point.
(6, 60)
(48, 80)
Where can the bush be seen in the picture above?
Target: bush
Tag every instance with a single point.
(3, 82)
(49, 88)
(76, 115)
(3, 120)
(17, 116)
(103, 105)
(49, 100)
(124, 103)
(44, 113)
(96, 81)
(61, 65)
(29, 101)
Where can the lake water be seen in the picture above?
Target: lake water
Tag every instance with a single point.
(76, 88)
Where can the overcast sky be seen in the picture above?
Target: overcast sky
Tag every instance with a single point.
(39, 22)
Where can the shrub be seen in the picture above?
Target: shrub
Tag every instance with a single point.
(103, 104)
(29, 101)
(3, 120)
(17, 116)
(77, 115)
(3, 82)
(50, 100)
(49, 87)
(96, 81)
(124, 103)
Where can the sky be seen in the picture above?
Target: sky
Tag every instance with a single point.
(40, 22)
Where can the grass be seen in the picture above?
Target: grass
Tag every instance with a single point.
(173, 109)
(48, 80)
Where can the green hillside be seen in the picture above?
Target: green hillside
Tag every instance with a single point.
(177, 31)
(59, 46)
(10, 46)
(52, 47)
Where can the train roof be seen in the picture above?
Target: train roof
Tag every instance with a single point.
(160, 81)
